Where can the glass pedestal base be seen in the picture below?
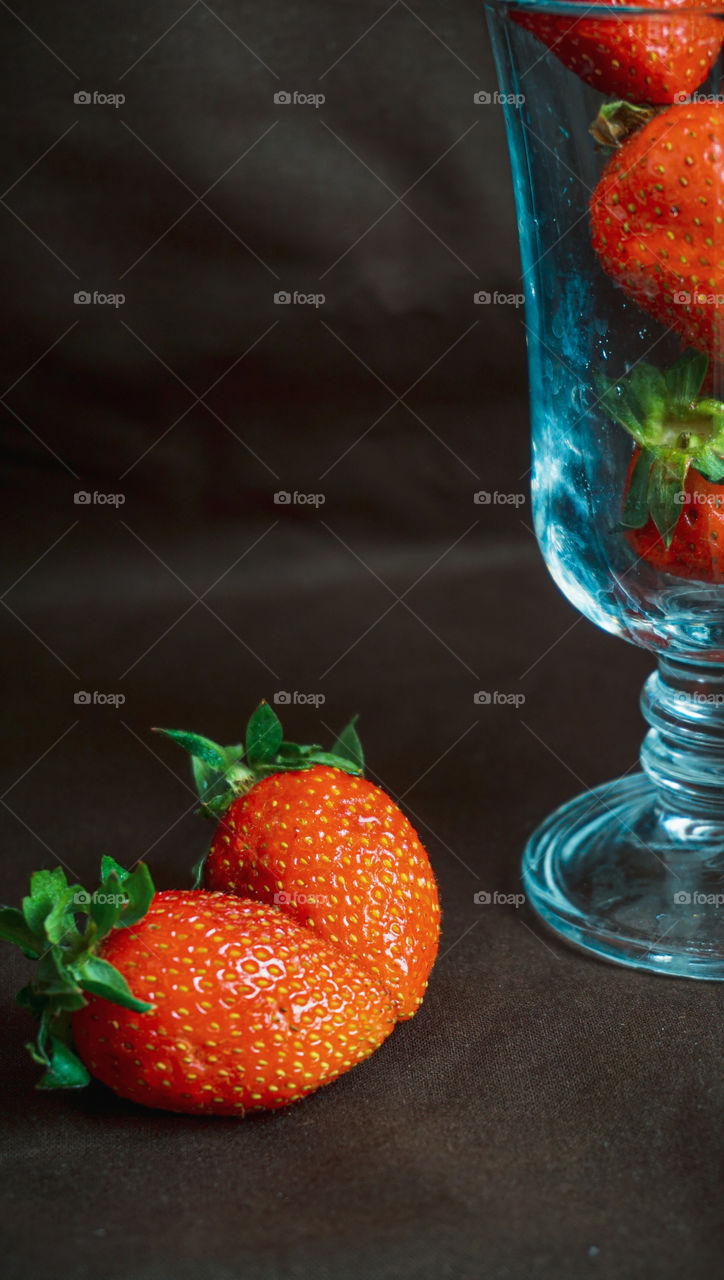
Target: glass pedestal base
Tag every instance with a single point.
(615, 875)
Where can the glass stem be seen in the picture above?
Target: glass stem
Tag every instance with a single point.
(683, 752)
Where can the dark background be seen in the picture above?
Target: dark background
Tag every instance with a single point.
(543, 1115)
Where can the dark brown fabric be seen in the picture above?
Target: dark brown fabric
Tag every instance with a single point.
(544, 1115)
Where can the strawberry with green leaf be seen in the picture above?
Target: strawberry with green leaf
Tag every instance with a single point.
(188, 1000)
(673, 510)
(302, 828)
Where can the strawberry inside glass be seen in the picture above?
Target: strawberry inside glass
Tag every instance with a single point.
(615, 119)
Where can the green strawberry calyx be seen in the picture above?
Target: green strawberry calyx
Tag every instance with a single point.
(677, 431)
(222, 774)
(46, 929)
(616, 121)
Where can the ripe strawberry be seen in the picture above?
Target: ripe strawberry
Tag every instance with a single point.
(302, 829)
(653, 59)
(199, 1002)
(657, 215)
(673, 509)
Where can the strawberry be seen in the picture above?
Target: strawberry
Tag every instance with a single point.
(653, 59)
(188, 1000)
(303, 829)
(657, 215)
(673, 511)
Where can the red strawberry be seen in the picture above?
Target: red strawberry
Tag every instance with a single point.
(695, 548)
(235, 1007)
(301, 829)
(657, 216)
(653, 59)
(673, 510)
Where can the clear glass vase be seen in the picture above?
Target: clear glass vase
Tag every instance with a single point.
(615, 123)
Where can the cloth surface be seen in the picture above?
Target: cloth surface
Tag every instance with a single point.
(544, 1115)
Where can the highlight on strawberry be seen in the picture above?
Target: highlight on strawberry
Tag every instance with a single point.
(301, 828)
(188, 1000)
(673, 511)
(655, 59)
